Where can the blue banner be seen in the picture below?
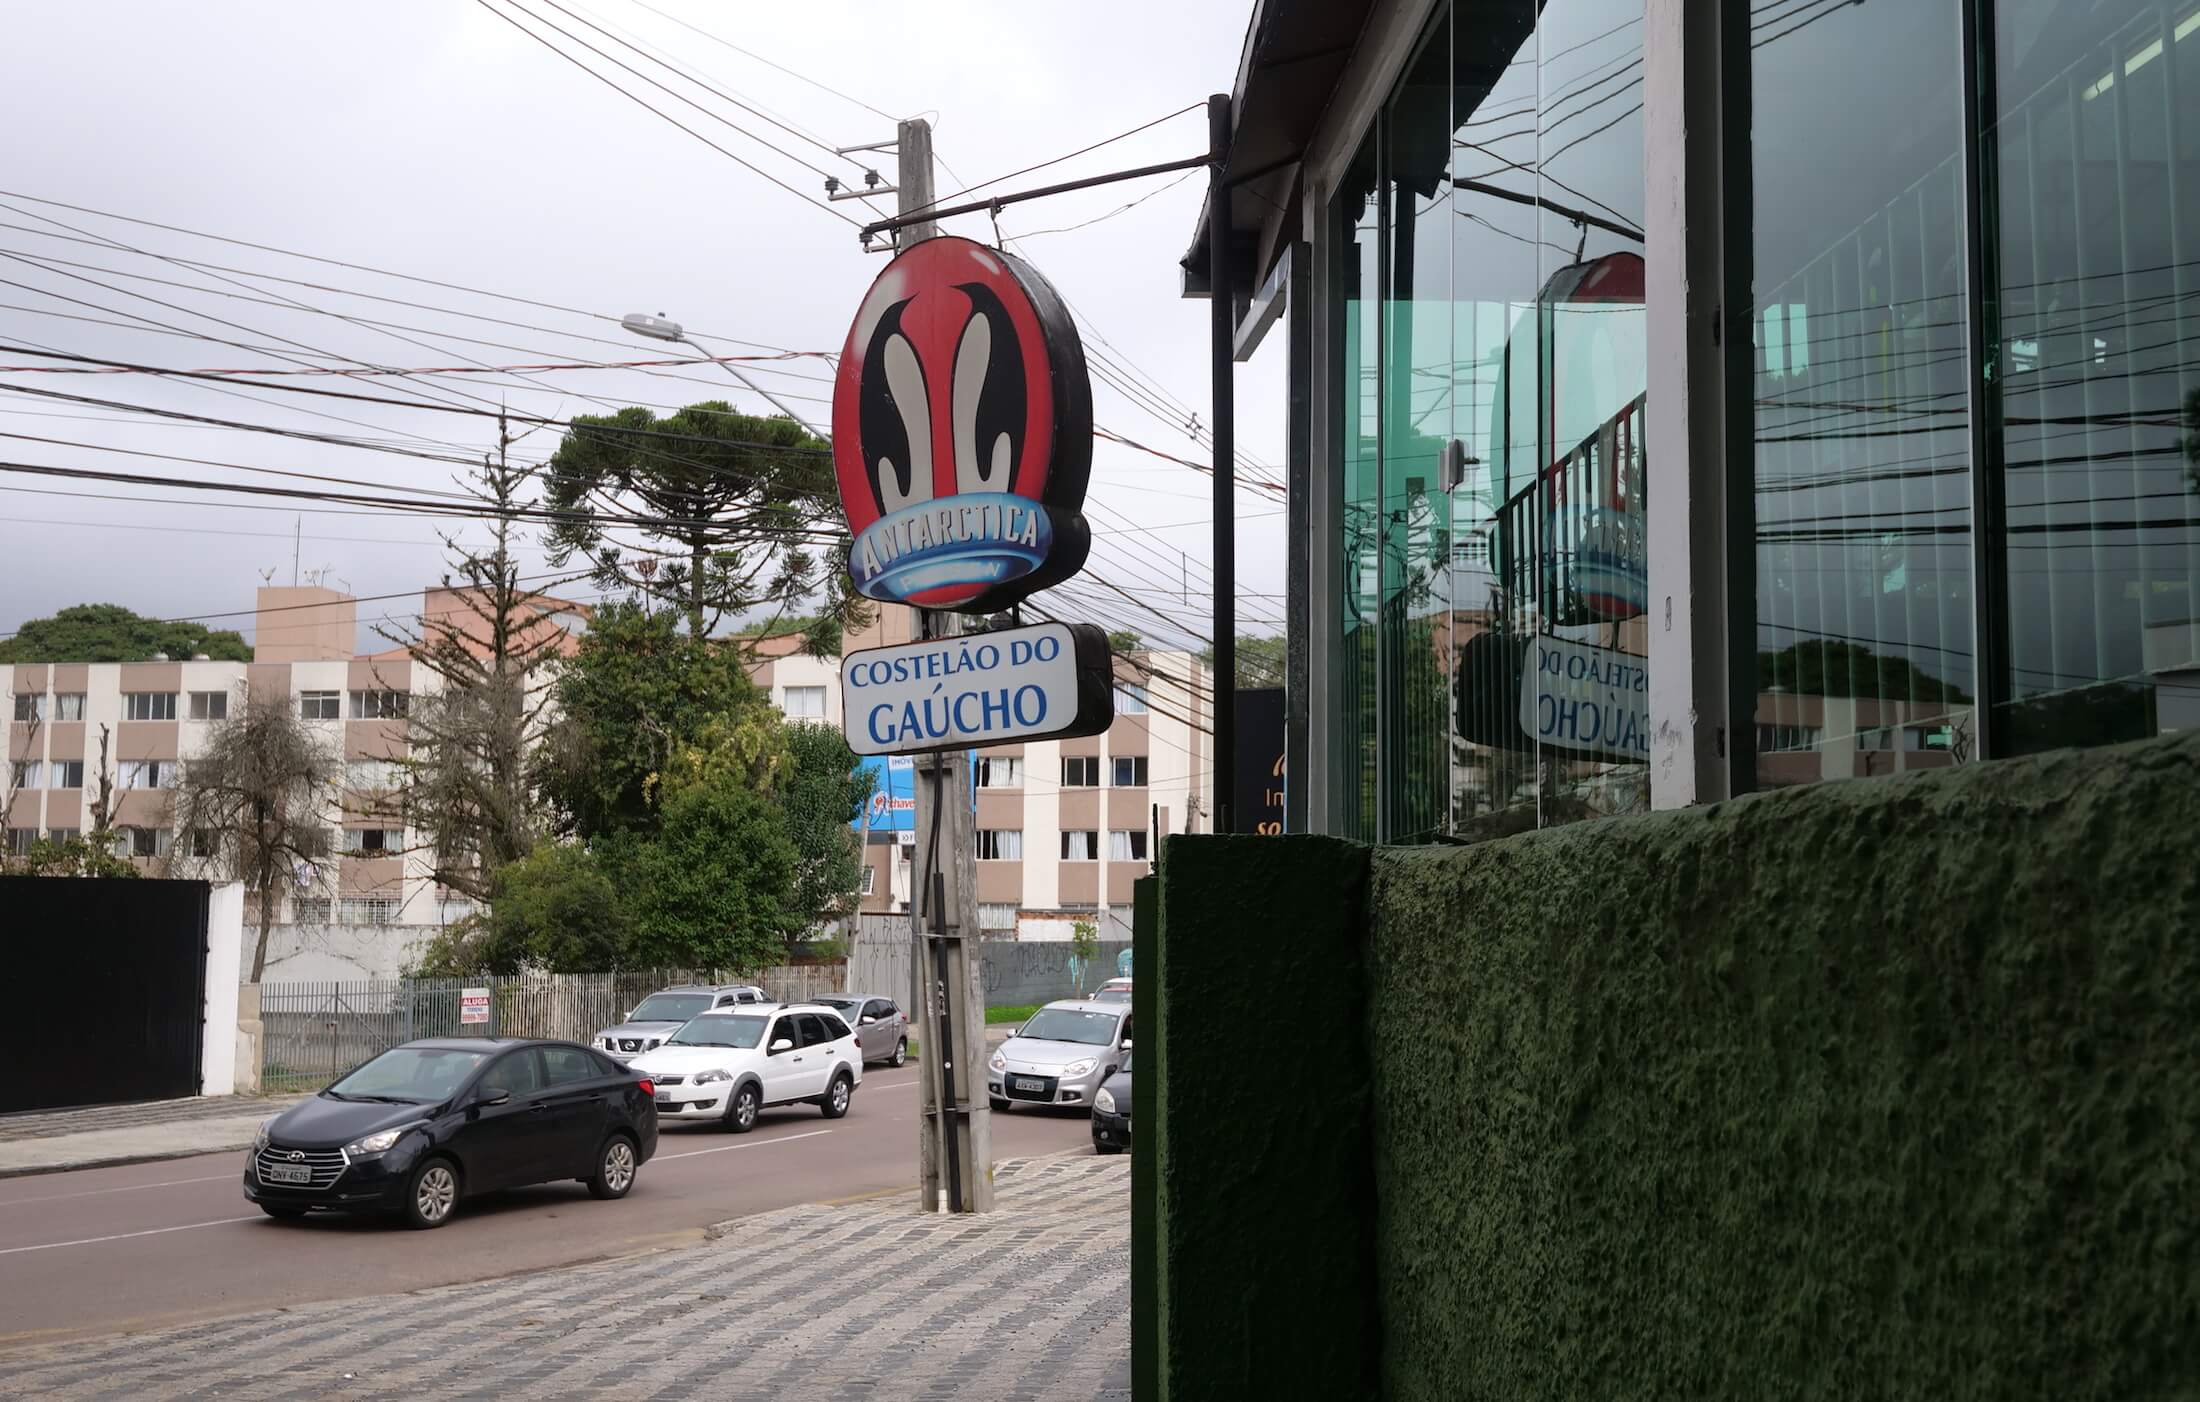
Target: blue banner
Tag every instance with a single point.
(893, 803)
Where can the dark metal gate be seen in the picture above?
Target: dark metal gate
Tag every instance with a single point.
(111, 978)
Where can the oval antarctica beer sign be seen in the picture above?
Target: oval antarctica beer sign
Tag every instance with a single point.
(962, 432)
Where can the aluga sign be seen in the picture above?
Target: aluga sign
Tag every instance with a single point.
(1048, 681)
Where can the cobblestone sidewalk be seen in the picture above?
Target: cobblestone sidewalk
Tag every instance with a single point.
(1028, 1304)
(47, 1124)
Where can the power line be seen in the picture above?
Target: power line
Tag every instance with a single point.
(768, 63)
(1057, 160)
(659, 112)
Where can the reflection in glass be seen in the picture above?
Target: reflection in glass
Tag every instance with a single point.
(1359, 280)
(1862, 451)
(2094, 131)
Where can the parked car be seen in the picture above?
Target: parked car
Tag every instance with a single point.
(1111, 1110)
(880, 1024)
(731, 1062)
(426, 1124)
(1061, 1056)
(660, 1014)
(1115, 990)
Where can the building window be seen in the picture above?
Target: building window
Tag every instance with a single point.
(209, 705)
(311, 910)
(64, 834)
(374, 842)
(1129, 771)
(379, 705)
(1787, 737)
(372, 775)
(803, 702)
(1130, 699)
(205, 843)
(870, 879)
(1080, 846)
(20, 840)
(68, 705)
(996, 915)
(1080, 771)
(149, 705)
(68, 774)
(148, 773)
(1000, 844)
(30, 705)
(1127, 845)
(367, 910)
(1000, 772)
(150, 842)
(26, 774)
(320, 705)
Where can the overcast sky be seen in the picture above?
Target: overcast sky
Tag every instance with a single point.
(431, 137)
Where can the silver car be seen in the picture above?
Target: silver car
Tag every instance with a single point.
(1061, 1056)
(664, 1012)
(882, 1028)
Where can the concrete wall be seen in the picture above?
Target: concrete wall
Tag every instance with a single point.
(1013, 972)
(224, 937)
(1883, 1088)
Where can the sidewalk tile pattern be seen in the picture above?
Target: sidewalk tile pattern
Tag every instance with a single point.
(47, 1124)
(1028, 1304)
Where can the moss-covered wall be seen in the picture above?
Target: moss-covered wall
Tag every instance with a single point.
(1253, 1082)
(1887, 1089)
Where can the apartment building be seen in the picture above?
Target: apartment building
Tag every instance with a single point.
(130, 724)
(1063, 826)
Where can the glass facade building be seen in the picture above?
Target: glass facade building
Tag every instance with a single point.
(1958, 487)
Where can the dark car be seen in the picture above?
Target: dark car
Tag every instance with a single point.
(1111, 1111)
(423, 1125)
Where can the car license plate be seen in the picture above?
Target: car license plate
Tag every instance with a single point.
(286, 1173)
(663, 1099)
(1026, 1083)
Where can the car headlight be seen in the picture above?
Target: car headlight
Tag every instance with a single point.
(1078, 1068)
(1104, 1103)
(999, 1062)
(259, 1140)
(605, 1043)
(654, 1043)
(711, 1077)
(375, 1143)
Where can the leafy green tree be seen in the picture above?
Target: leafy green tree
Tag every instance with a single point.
(1260, 662)
(112, 633)
(713, 887)
(1125, 640)
(823, 795)
(733, 513)
(553, 910)
(67, 856)
(637, 692)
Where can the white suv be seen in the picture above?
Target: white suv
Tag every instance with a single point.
(729, 1063)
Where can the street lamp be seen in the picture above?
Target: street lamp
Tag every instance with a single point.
(662, 328)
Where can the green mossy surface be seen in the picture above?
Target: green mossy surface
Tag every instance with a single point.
(1887, 1089)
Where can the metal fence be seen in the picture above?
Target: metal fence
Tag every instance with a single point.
(1013, 973)
(314, 1032)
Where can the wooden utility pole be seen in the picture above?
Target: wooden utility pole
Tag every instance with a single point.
(955, 1124)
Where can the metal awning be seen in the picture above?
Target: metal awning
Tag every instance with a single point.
(1295, 52)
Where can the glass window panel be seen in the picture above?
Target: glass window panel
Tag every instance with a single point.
(1358, 215)
(1587, 679)
(2095, 243)
(1862, 433)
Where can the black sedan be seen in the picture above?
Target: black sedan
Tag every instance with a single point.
(425, 1124)
(1111, 1111)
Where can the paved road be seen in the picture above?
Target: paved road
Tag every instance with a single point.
(128, 1248)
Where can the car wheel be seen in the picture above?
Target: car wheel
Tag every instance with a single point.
(901, 1053)
(615, 1168)
(998, 1103)
(283, 1211)
(741, 1110)
(835, 1100)
(431, 1194)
